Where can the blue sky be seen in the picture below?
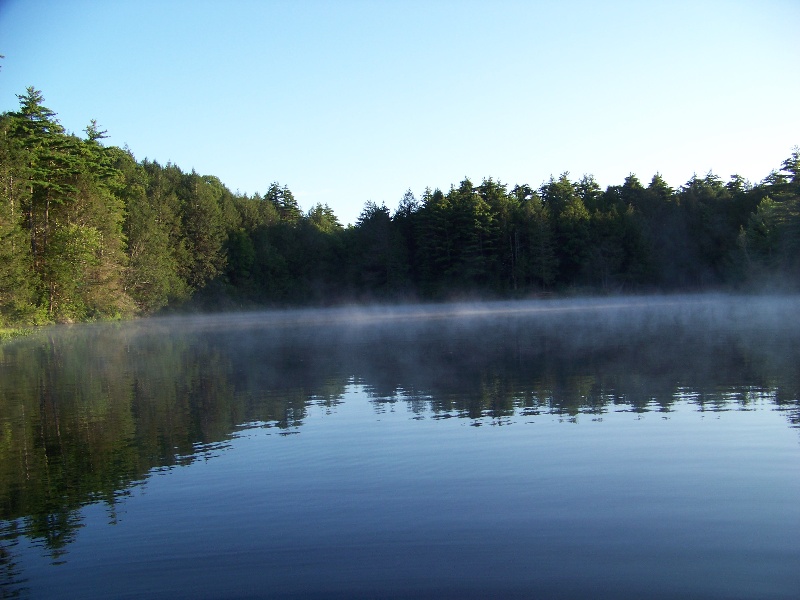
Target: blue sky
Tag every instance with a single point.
(347, 102)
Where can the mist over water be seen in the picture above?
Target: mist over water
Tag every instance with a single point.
(416, 351)
(614, 447)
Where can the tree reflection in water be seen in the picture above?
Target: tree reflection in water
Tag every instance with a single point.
(88, 412)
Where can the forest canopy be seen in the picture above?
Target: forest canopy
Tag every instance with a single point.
(88, 232)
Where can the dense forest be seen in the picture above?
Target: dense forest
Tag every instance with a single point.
(88, 232)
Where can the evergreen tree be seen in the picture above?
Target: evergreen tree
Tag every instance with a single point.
(406, 228)
(372, 249)
(152, 277)
(17, 300)
(203, 229)
(712, 228)
(571, 225)
(72, 217)
(435, 245)
(284, 202)
(770, 240)
(501, 246)
(537, 262)
(101, 208)
(322, 217)
(473, 233)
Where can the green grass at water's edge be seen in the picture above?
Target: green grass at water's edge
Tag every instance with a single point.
(9, 333)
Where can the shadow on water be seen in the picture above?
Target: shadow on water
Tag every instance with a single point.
(88, 412)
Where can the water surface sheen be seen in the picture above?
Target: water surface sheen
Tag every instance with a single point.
(605, 448)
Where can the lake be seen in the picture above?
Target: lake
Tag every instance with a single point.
(606, 448)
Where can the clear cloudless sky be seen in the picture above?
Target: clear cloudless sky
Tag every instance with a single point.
(351, 101)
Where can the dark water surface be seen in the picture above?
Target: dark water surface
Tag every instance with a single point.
(608, 448)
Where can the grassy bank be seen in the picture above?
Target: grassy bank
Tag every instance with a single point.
(9, 333)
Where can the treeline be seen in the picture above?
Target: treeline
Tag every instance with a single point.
(88, 232)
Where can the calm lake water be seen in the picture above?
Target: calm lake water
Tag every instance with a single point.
(647, 447)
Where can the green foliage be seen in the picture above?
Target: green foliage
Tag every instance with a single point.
(770, 242)
(59, 192)
(203, 230)
(371, 250)
(283, 201)
(241, 253)
(537, 262)
(17, 299)
(89, 232)
(322, 217)
(571, 226)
